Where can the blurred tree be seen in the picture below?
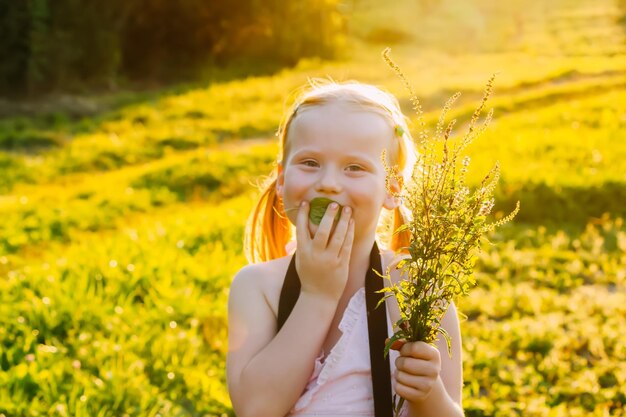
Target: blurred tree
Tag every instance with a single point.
(70, 44)
(15, 24)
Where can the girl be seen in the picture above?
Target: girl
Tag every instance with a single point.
(304, 336)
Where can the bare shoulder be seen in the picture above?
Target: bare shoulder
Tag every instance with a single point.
(260, 281)
(252, 305)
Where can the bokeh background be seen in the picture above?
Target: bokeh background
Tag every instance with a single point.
(132, 134)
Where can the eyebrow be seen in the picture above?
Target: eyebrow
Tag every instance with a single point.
(347, 156)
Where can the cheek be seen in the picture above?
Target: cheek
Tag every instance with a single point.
(291, 209)
(368, 194)
(368, 203)
(291, 186)
(292, 195)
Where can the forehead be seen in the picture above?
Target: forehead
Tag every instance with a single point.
(340, 128)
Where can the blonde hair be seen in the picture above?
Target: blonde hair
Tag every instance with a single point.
(268, 229)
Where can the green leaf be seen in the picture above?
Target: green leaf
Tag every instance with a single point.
(446, 336)
(396, 336)
(318, 208)
(401, 229)
(382, 299)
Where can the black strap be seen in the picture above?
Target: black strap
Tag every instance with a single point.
(376, 326)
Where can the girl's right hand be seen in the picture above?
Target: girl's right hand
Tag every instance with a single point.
(322, 261)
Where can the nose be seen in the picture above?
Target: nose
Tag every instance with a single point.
(328, 181)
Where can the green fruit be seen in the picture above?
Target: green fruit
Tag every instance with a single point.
(318, 208)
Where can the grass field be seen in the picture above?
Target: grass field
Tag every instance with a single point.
(121, 224)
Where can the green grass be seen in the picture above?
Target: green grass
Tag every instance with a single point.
(122, 225)
(106, 329)
(550, 340)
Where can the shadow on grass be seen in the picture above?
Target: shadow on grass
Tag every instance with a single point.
(553, 206)
(513, 99)
(36, 125)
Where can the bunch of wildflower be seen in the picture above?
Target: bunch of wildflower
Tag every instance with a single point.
(447, 223)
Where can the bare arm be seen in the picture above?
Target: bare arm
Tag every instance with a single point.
(267, 372)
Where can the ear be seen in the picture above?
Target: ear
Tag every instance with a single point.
(280, 180)
(391, 202)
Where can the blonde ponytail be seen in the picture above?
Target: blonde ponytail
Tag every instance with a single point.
(268, 228)
(399, 241)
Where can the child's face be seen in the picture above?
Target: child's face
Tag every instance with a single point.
(335, 152)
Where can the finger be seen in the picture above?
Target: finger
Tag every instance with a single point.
(323, 231)
(346, 248)
(413, 381)
(302, 223)
(339, 235)
(419, 350)
(416, 366)
(409, 393)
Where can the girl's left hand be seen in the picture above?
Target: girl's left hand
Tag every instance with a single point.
(417, 370)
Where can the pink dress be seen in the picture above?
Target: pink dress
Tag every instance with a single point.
(342, 384)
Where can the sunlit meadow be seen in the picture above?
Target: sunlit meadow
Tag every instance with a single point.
(121, 227)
